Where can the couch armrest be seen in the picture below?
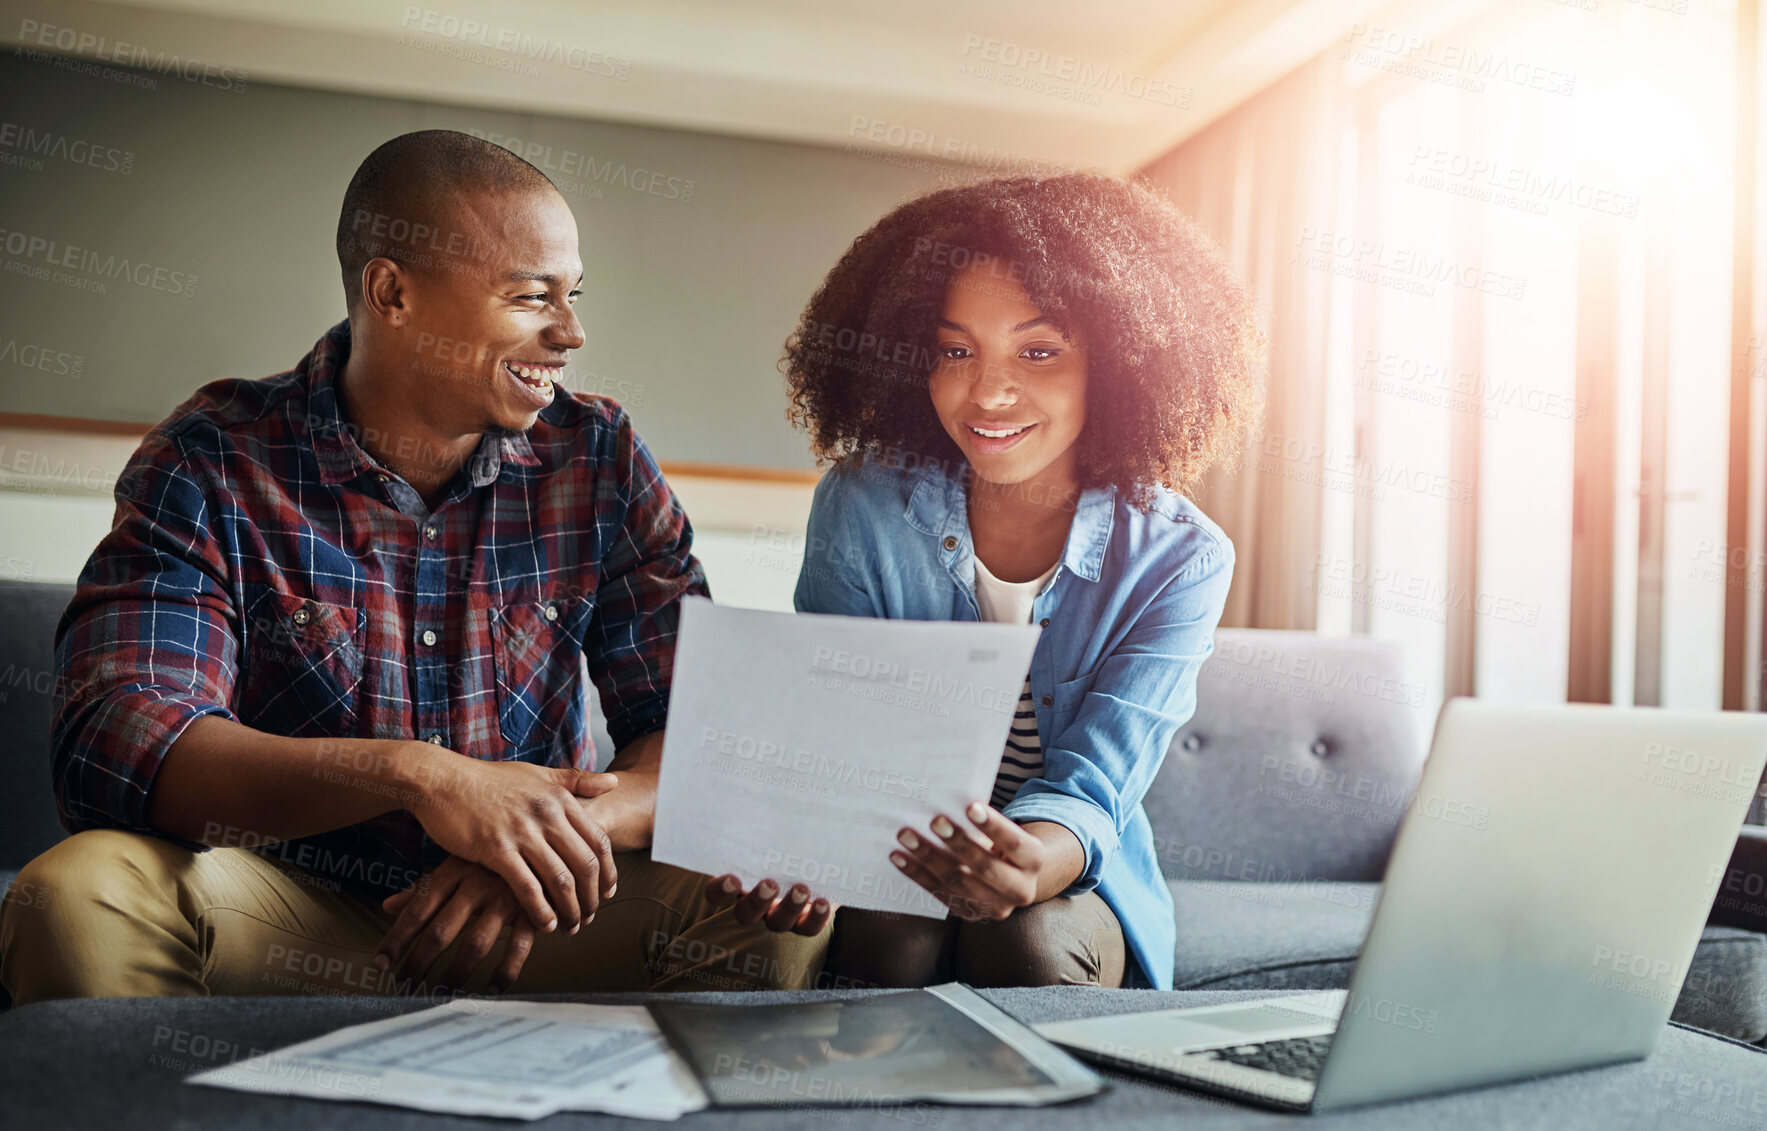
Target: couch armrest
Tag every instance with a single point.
(1742, 893)
(29, 823)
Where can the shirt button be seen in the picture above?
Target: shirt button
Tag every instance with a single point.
(551, 612)
(302, 615)
(429, 636)
(1049, 700)
(383, 478)
(430, 532)
(436, 738)
(1044, 622)
(950, 542)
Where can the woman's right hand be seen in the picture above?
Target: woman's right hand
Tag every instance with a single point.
(794, 911)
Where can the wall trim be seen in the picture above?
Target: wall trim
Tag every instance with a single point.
(79, 425)
(89, 426)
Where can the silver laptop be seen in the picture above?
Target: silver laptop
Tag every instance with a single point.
(1549, 884)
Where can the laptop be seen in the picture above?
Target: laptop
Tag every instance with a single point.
(1545, 895)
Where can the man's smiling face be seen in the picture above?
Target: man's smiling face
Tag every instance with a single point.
(489, 331)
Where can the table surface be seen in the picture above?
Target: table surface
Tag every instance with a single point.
(121, 1063)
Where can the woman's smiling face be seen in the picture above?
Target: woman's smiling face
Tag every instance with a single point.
(1009, 387)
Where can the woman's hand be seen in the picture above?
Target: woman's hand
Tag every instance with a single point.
(793, 911)
(985, 877)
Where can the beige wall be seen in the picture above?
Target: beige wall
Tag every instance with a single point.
(700, 250)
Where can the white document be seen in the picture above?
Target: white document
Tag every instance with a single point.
(797, 746)
(516, 1059)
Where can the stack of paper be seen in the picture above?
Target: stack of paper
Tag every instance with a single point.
(517, 1059)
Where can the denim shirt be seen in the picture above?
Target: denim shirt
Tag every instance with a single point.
(1128, 619)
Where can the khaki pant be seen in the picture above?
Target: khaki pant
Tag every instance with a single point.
(118, 914)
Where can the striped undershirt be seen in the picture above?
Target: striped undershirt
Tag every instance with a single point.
(1010, 602)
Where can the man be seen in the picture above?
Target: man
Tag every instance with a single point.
(340, 619)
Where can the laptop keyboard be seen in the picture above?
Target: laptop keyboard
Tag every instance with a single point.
(1300, 1057)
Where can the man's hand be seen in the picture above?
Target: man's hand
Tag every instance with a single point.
(628, 813)
(527, 824)
(988, 877)
(778, 911)
(434, 911)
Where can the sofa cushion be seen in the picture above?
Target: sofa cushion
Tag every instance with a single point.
(1239, 936)
(1269, 936)
(1298, 763)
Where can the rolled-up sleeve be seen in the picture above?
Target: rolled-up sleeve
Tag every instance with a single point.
(1098, 767)
(647, 566)
(147, 646)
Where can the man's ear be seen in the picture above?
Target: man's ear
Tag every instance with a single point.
(386, 291)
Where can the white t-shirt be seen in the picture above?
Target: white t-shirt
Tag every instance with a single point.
(1009, 602)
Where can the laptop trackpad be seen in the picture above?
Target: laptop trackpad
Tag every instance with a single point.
(1177, 1030)
(1253, 1019)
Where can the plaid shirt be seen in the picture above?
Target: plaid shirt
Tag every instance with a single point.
(263, 567)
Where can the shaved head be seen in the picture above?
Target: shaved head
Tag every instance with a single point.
(404, 201)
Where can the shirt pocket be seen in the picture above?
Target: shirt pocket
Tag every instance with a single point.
(538, 651)
(303, 666)
(1065, 706)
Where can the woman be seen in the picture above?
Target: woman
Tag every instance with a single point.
(1015, 379)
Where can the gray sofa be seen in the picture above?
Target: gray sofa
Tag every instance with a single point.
(1274, 813)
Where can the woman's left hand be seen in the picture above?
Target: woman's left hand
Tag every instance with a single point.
(979, 877)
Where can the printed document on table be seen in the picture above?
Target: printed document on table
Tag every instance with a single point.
(798, 745)
(516, 1059)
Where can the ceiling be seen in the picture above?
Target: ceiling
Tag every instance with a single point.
(1109, 84)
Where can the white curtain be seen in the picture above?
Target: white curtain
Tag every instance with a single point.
(1261, 180)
